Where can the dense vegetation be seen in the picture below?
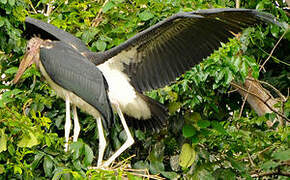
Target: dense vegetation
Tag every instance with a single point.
(212, 134)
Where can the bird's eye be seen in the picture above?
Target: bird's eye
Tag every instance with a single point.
(28, 48)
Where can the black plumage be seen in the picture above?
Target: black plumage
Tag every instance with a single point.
(67, 68)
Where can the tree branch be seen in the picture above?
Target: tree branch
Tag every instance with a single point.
(258, 97)
(272, 51)
(283, 98)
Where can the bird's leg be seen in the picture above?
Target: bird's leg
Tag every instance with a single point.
(102, 141)
(77, 127)
(67, 122)
(127, 143)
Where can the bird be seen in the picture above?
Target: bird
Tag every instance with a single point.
(101, 83)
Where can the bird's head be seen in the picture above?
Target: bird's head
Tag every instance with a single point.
(31, 56)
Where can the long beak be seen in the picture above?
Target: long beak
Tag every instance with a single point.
(26, 62)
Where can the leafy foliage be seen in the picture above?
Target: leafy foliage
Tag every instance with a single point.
(206, 139)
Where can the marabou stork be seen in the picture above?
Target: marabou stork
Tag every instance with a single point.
(116, 79)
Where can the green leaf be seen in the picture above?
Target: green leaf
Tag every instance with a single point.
(244, 69)
(187, 156)
(140, 135)
(269, 165)
(192, 117)
(89, 34)
(11, 70)
(156, 166)
(109, 5)
(188, 131)
(225, 174)
(282, 155)
(11, 2)
(17, 169)
(132, 177)
(174, 106)
(2, 169)
(101, 45)
(170, 175)
(275, 30)
(37, 158)
(219, 76)
(3, 1)
(28, 140)
(47, 166)
(3, 140)
(75, 147)
(203, 123)
(146, 15)
(228, 76)
(89, 155)
(216, 125)
(2, 22)
(238, 165)
(236, 63)
(141, 165)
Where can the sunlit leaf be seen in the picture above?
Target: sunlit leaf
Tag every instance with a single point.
(146, 15)
(3, 140)
(187, 156)
(28, 140)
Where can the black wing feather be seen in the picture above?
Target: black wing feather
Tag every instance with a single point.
(66, 67)
(179, 43)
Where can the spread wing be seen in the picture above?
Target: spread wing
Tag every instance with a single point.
(66, 68)
(155, 57)
(48, 31)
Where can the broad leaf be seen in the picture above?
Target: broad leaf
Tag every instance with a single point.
(187, 156)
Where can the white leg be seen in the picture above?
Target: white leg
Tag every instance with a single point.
(127, 143)
(102, 141)
(67, 122)
(77, 127)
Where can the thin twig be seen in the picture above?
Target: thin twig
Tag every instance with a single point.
(245, 90)
(281, 173)
(31, 5)
(26, 104)
(233, 90)
(97, 21)
(251, 160)
(244, 102)
(148, 176)
(272, 51)
(119, 164)
(275, 58)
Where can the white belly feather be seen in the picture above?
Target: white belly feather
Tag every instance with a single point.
(121, 91)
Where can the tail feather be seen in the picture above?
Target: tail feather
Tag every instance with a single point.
(158, 120)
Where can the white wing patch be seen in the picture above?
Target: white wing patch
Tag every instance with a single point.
(120, 89)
